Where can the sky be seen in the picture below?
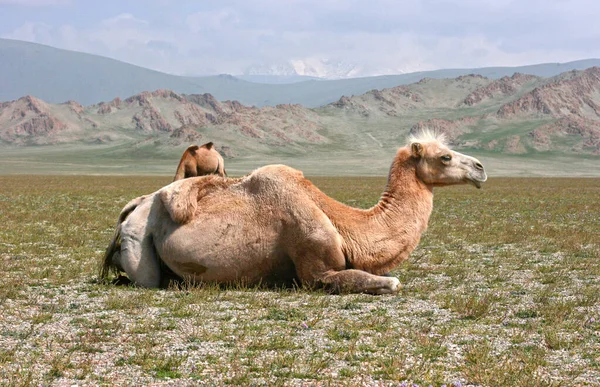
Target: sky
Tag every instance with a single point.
(323, 36)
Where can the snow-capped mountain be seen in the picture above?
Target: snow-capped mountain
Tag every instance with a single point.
(309, 67)
(325, 68)
(279, 69)
(328, 69)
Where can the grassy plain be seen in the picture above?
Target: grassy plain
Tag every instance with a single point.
(503, 290)
(366, 159)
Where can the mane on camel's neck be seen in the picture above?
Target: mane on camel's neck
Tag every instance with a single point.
(378, 239)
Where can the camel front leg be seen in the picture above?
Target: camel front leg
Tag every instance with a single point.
(330, 273)
(358, 281)
(319, 259)
(325, 265)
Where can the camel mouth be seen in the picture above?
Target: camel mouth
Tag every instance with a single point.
(477, 180)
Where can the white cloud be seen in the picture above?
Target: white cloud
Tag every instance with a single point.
(123, 19)
(212, 20)
(384, 37)
(32, 32)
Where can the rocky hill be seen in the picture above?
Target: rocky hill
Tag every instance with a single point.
(427, 93)
(505, 86)
(162, 114)
(520, 114)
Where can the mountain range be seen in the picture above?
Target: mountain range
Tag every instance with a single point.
(125, 119)
(524, 118)
(56, 75)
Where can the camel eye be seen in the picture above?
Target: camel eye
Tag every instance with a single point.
(446, 158)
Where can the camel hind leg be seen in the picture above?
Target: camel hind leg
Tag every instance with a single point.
(138, 257)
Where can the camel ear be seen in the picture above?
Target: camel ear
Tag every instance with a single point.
(416, 149)
(180, 198)
(208, 145)
(192, 149)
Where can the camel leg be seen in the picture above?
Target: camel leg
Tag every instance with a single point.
(138, 257)
(318, 258)
(358, 281)
(139, 260)
(328, 268)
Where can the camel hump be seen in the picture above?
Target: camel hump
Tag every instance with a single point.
(208, 145)
(193, 148)
(266, 178)
(279, 170)
(180, 198)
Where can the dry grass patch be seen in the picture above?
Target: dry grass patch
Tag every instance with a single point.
(503, 290)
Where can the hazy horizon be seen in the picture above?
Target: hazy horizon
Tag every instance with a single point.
(330, 39)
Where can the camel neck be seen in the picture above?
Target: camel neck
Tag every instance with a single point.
(387, 233)
(404, 191)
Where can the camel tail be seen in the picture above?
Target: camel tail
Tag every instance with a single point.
(108, 265)
(114, 247)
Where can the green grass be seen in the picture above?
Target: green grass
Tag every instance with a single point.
(503, 290)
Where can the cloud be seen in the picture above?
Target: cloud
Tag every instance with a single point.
(32, 32)
(212, 20)
(123, 19)
(383, 36)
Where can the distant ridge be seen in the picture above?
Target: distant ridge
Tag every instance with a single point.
(521, 114)
(518, 125)
(55, 75)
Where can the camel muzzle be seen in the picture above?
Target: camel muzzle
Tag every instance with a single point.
(477, 178)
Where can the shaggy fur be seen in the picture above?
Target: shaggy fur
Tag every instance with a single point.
(275, 225)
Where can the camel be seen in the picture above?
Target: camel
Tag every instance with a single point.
(200, 160)
(274, 224)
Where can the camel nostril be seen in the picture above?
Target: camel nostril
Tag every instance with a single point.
(479, 166)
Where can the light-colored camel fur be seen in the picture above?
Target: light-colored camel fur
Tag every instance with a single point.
(199, 161)
(274, 225)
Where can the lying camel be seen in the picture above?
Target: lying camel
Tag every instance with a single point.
(274, 224)
(200, 160)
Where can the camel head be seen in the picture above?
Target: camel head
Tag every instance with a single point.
(438, 165)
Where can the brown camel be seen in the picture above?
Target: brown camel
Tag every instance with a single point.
(274, 224)
(200, 160)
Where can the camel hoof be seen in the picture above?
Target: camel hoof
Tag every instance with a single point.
(394, 285)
